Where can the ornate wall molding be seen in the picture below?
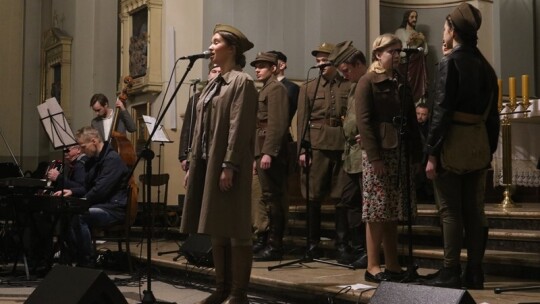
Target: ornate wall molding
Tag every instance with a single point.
(141, 44)
(56, 68)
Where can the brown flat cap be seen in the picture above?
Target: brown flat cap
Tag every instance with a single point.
(466, 18)
(325, 47)
(342, 52)
(245, 44)
(265, 57)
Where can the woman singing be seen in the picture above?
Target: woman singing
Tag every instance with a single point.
(218, 198)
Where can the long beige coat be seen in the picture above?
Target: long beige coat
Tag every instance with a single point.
(231, 116)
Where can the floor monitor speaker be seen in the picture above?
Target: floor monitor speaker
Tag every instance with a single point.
(69, 285)
(198, 250)
(389, 292)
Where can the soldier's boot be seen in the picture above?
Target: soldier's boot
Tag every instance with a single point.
(242, 257)
(221, 254)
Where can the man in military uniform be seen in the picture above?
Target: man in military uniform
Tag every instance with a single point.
(321, 141)
(352, 65)
(271, 152)
(260, 219)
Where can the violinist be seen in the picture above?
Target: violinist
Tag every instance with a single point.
(75, 161)
(103, 122)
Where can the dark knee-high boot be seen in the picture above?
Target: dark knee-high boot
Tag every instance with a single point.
(241, 259)
(473, 277)
(222, 265)
(358, 243)
(260, 242)
(343, 250)
(274, 250)
(314, 230)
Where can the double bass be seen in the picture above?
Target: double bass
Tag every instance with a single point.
(123, 146)
(118, 140)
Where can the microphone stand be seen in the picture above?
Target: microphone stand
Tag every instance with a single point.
(403, 146)
(306, 145)
(11, 153)
(192, 99)
(148, 155)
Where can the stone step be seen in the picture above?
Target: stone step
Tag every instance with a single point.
(496, 262)
(501, 239)
(523, 211)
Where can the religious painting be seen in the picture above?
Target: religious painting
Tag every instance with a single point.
(138, 44)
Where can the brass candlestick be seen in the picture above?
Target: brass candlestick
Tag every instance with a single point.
(525, 105)
(506, 129)
(511, 105)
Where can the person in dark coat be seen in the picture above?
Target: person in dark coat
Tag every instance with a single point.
(74, 169)
(466, 94)
(105, 189)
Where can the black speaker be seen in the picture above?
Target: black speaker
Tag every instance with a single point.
(389, 292)
(198, 250)
(70, 285)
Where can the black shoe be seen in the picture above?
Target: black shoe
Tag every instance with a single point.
(344, 255)
(269, 254)
(260, 243)
(377, 278)
(314, 252)
(473, 278)
(396, 276)
(360, 262)
(446, 277)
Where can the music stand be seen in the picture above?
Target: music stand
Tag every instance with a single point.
(61, 136)
(55, 124)
(161, 137)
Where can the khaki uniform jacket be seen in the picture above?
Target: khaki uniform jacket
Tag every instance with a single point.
(352, 155)
(273, 120)
(328, 109)
(230, 140)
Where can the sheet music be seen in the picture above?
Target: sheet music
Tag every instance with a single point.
(55, 124)
(160, 135)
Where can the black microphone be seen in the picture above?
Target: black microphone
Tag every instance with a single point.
(322, 65)
(412, 50)
(195, 81)
(205, 55)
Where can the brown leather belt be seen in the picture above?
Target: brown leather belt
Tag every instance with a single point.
(332, 122)
(467, 118)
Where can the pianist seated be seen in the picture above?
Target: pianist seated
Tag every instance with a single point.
(105, 189)
(74, 169)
